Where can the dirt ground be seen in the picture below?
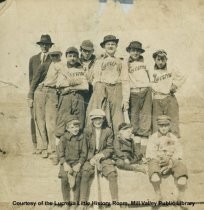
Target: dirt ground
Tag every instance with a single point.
(27, 177)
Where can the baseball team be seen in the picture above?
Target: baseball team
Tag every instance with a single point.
(95, 115)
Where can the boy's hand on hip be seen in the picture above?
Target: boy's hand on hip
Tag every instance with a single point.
(93, 161)
(67, 168)
(77, 167)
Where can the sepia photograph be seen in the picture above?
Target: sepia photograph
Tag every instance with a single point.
(101, 104)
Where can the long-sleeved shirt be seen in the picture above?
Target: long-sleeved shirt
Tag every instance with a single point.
(162, 80)
(107, 69)
(72, 149)
(160, 145)
(72, 77)
(135, 75)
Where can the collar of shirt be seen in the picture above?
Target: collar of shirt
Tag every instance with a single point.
(92, 58)
(140, 59)
(156, 67)
(106, 55)
(160, 134)
(76, 65)
(70, 136)
(42, 56)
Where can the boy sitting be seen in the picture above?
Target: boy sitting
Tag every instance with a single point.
(164, 153)
(126, 157)
(72, 150)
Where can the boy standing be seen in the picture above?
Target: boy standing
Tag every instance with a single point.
(137, 95)
(107, 88)
(165, 84)
(164, 153)
(126, 156)
(72, 150)
(43, 91)
(71, 84)
(100, 150)
(87, 60)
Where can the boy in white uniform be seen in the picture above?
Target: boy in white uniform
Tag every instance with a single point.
(137, 94)
(165, 82)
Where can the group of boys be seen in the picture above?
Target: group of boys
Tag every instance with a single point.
(79, 110)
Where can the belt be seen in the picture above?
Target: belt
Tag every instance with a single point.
(138, 90)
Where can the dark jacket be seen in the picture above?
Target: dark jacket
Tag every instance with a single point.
(38, 77)
(34, 64)
(72, 149)
(105, 142)
(124, 149)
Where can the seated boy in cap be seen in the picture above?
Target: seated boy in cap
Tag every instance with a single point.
(71, 84)
(137, 96)
(100, 150)
(164, 154)
(72, 150)
(165, 83)
(126, 157)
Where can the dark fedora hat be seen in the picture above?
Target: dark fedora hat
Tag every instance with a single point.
(109, 38)
(45, 39)
(135, 45)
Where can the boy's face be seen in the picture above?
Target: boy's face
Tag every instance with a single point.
(97, 122)
(134, 53)
(55, 57)
(86, 53)
(164, 128)
(110, 47)
(160, 62)
(126, 134)
(45, 47)
(73, 128)
(72, 58)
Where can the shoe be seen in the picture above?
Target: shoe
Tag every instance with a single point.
(44, 154)
(52, 155)
(38, 151)
(34, 152)
(140, 168)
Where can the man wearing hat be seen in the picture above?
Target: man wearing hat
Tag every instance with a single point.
(164, 155)
(72, 149)
(72, 85)
(87, 60)
(45, 44)
(107, 92)
(43, 91)
(165, 83)
(137, 96)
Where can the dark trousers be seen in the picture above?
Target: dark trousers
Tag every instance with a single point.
(167, 106)
(125, 166)
(65, 187)
(71, 104)
(140, 112)
(32, 127)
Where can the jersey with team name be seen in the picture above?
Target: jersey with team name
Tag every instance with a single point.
(107, 70)
(162, 80)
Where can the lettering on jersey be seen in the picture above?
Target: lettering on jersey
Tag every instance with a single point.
(131, 69)
(160, 78)
(76, 74)
(108, 65)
